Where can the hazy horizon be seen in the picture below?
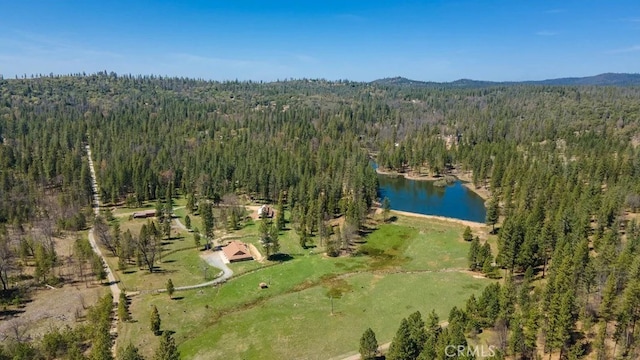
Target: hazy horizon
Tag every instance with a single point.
(438, 41)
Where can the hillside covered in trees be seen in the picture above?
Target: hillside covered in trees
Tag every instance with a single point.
(562, 164)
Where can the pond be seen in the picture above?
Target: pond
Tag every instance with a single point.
(422, 197)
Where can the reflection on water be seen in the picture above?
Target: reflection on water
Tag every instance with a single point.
(454, 201)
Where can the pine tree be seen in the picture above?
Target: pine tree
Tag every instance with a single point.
(608, 297)
(631, 309)
(187, 222)
(191, 202)
(101, 347)
(402, 347)
(516, 339)
(280, 220)
(123, 308)
(467, 235)
(531, 327)
(508, 297)
(472, 257)
(457, 339)
(130, 353)
(167, 349)
(196, 239)
(600, 341)
(493, 214)
(170, 288)
(487, 267)
(206, 212)
(155, 321)
(368, 345)
(269, 237)
(303, 236)
(234, 222)
(418, 332)
(563, 322)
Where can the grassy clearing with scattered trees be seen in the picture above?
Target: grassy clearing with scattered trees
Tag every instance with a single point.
(411, 264)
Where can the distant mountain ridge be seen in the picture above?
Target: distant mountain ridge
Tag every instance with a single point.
(606, 79)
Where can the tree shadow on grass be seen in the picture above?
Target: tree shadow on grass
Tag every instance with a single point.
(158, 270)
(168, 261)
(10, 313)
(177, 298)
(366, 230)
(280, 257)
(109, 283)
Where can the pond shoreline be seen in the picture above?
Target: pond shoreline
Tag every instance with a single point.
(464, 177)
(471, 224)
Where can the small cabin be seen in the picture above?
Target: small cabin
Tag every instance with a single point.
(144, 214)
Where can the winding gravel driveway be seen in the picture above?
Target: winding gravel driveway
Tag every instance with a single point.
(214, 259)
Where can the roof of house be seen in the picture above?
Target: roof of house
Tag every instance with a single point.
(265, 210)
(145, 213)
(236, 251)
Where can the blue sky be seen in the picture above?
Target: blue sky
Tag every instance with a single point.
(356, 40)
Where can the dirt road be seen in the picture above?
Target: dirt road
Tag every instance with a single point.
(113, 284)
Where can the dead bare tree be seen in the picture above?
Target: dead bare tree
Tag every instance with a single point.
(18, 330)
(7, 261)
(103, 233)
(148, 245)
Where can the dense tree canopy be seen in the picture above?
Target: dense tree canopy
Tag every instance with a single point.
(561, 163)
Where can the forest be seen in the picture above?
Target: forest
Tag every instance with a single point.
(562, 165)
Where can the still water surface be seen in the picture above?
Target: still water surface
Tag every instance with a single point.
(422, 197)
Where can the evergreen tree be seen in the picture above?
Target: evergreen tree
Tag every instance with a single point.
(269, 237)
(458, 341)
(600, 342)
(368, 345)
(280, 220)
(433, 331)
(155, 321)
(123, 308)
(516, 340)
(196, 239)
(487, 267)
(167, 349)
(467, 235)
(187, 222)
(130, 353)
(530, 330)
(303, 236)
(402, 347)
(206, 212)
(170, 288)
(191, 203)
(472, 257)
(493, 214)
(418, 333)
(101, 347)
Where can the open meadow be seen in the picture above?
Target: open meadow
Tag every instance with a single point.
(317, 305)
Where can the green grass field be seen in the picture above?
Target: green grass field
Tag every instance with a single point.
(300, 325)
(411, 264)
(180, 262)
